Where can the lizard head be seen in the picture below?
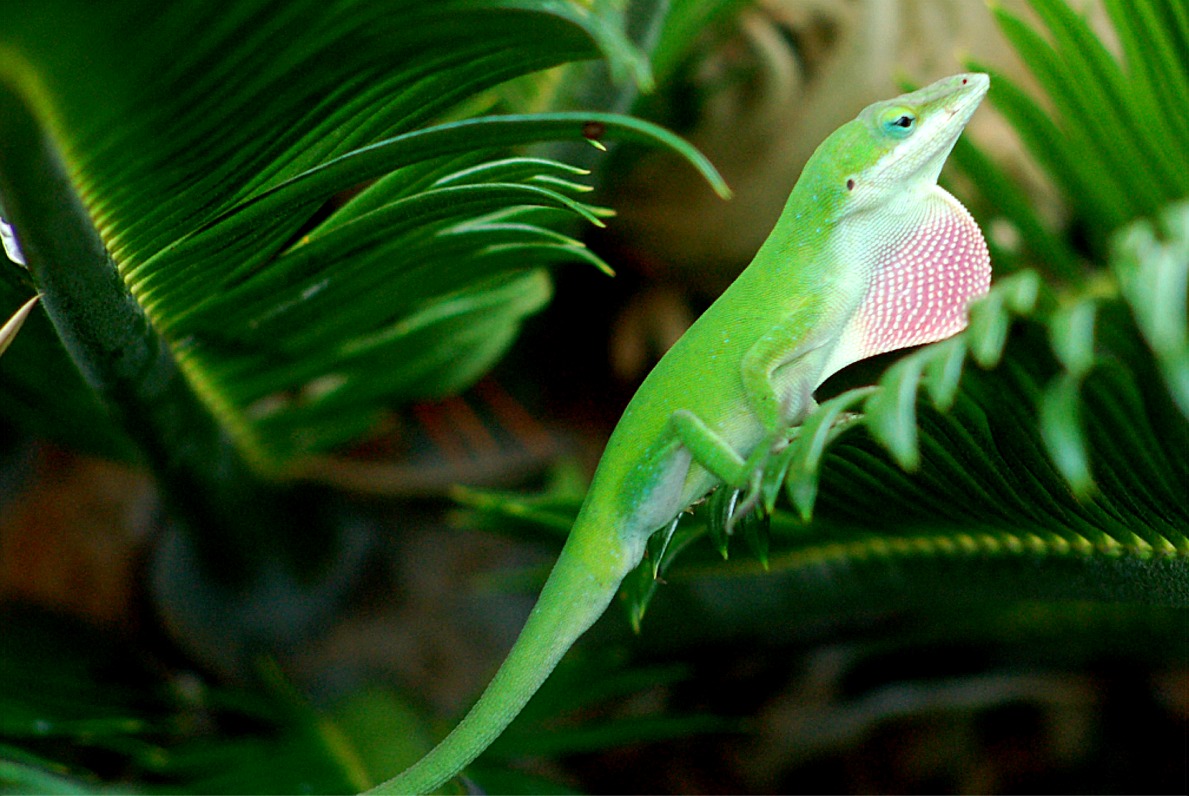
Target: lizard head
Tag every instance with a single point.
(898, 145)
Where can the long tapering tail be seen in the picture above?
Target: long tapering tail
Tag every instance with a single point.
(577, 592)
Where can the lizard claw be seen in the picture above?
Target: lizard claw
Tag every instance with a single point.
(737, 509)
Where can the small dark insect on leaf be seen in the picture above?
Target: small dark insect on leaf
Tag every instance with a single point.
(850, 185)
(593, 130)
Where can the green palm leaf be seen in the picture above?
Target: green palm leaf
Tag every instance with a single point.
(206, 155)
(1115, 140)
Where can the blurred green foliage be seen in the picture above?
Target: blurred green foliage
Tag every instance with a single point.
(1018, 488)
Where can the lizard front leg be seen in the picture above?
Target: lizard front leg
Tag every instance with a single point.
(783, 346)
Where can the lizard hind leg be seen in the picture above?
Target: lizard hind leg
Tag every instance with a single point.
(709, 449)
(714, 454)
(797, 403)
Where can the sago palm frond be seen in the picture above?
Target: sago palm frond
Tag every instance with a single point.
(215, 148)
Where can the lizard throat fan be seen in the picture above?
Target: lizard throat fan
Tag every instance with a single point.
(923, 282)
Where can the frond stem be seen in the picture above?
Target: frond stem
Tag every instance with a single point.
(233, 516)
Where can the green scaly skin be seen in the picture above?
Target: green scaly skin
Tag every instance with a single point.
(839, 279)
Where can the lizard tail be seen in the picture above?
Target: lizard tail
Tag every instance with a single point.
(583, 581)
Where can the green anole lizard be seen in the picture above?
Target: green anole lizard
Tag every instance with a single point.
(869, 255)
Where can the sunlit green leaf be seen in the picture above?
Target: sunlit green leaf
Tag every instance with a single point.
(225, 160)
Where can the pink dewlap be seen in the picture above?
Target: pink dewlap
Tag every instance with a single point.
(924, 282)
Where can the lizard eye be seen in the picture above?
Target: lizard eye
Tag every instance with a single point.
(898, 122)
